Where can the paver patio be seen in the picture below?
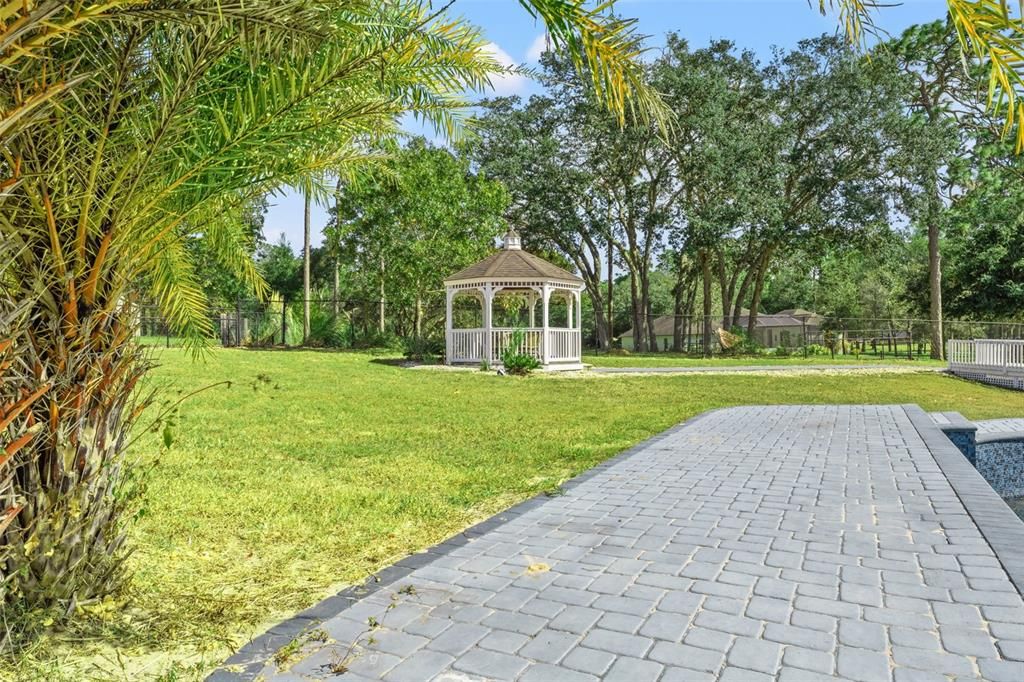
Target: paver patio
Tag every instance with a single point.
(753, 543)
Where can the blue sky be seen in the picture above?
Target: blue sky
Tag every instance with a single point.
(517, 39)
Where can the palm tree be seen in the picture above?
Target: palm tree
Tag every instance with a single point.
(150, 123)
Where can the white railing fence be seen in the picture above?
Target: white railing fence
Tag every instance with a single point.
(995, 354)
(991, 361)
(467, 345)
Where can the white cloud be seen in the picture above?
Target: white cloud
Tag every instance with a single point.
(538, 47)
(505, 83)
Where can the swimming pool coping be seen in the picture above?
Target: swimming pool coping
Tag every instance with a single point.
(999, 525)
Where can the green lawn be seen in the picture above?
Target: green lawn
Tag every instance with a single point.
(680, 360)
(278, 492)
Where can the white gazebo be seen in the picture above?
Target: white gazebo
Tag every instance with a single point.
(525, 279)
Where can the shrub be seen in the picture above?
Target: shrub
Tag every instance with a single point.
(422, 349)
(514, 360)
(814, 349)
(326, 330)
(740, 343)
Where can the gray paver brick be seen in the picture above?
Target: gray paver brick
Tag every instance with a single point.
(503, 641)
(626, 669)
(735, 625)
(1001, 671)
(862, 665)
(491, 664)
(809, 659)
(587, 660)
(755, 654)
(858, 633)
(576, 619)
(809, 639)
(458, 638)
(617, 642)
(549, 646)
(422, 665)
(734, 674)
(708, 639)
(682, 655)
(933, 661)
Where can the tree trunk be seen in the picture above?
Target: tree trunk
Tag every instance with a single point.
(601, 328)
(935, 286)
(335, 305)
(637, 312)
(737, 311)
(305, 271)
(652, 333)
(755, 303)
(418, 324)
(380, 302)
(611, 311)
(705, 265)
(677, 319)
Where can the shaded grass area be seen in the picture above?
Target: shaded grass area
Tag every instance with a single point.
(669, 359)
(316, 468)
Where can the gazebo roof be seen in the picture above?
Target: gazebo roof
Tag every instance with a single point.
(511, 262)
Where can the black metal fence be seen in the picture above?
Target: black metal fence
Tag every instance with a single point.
(352, 323)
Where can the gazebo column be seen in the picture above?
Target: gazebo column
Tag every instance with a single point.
(531, 301)
(448, 326)
(488, 292)
(545, 353)
(579, 325)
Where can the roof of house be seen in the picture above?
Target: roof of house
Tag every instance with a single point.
(511, 262)
(665, 325)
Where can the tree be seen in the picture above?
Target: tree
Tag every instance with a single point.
(582, 183)
(555, 201)
(280, 269)
(423, 215)
(985, 231)
(944, 104)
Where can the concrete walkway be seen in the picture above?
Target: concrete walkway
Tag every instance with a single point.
(751, 544)
(880, 367)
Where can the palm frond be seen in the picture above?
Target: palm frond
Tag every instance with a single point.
(610, 48)
(991, 32)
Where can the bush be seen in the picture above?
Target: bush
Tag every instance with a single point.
(741, 343)
(813, 349)
(514, 360)
(422, 349)
(325, 330)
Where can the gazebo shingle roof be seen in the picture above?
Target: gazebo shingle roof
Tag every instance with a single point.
(513, 264)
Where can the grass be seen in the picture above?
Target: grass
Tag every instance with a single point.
(669, 359)
(316, 468)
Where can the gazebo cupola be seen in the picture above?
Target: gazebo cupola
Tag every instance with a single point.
(517, 281)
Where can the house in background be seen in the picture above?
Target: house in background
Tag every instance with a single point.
(784, 328)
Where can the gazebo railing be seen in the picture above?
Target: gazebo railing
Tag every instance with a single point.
(533, 342)
(467, 345)
(563, 344)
